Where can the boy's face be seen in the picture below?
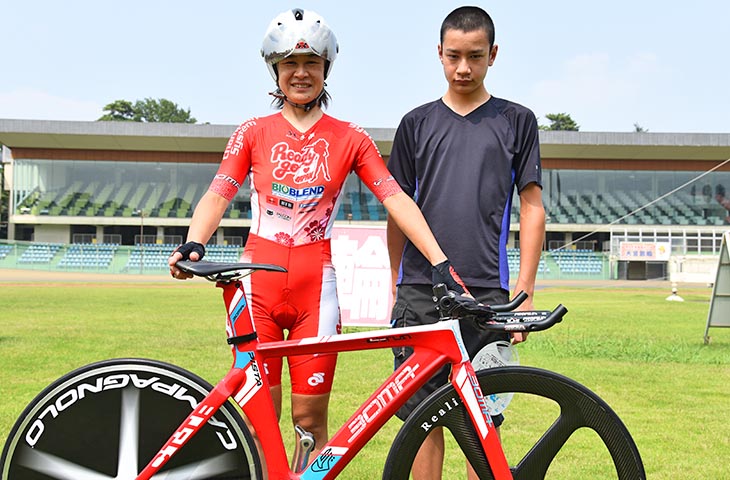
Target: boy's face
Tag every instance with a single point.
(466, 57)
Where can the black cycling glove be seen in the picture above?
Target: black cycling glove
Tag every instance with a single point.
(187, 248)
(445, 273)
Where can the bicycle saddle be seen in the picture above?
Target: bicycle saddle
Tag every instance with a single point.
(205, 268)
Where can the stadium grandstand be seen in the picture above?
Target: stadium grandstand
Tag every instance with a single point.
(118, 196)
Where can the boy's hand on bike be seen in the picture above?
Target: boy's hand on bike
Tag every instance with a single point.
(193, 251)
(445, 273)
(519, 337)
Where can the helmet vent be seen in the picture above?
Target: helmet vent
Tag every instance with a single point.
(295, 32)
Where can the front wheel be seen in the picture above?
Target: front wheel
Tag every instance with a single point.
(107, 420)
(560, 452)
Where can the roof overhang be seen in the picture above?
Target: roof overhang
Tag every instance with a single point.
(179, 137)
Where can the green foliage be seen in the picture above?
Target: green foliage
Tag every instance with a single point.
(147, 110)
(643, 355)
(119, 111)
(560, 121)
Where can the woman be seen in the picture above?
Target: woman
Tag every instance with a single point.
(297, 161)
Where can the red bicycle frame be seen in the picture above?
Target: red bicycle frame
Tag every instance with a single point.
(434, 346)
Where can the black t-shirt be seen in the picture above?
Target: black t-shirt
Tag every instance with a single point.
(462, 172)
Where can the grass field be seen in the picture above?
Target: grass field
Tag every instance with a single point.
(643, 355)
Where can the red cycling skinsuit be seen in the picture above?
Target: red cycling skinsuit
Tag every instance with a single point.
(296, 180)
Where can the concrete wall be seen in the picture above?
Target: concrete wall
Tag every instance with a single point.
(52, 233)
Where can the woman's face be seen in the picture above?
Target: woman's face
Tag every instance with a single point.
(301, 77)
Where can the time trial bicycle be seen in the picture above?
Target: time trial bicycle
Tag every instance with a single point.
(136, 419)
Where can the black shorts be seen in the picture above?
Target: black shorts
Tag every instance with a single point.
(414, 305)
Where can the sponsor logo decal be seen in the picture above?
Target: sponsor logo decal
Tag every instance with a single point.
(296, 194)
(235, 143)
(279, 215)
(317, 378)
(279, 202)
(226, 178)
(324, 462)
(121, 381)
(253, 380)
(386, 395)
(303, 166)
(447, 407)
(379, 181)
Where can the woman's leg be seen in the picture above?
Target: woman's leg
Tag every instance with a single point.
(310, 413)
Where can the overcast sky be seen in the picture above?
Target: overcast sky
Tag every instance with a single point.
(610, 65)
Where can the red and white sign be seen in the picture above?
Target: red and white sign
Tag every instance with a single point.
(645, 251)
(360, 257)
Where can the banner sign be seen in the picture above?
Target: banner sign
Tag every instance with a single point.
(645, 251)
(360, 257)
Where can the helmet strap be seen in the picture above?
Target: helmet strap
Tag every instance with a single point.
(306, 107)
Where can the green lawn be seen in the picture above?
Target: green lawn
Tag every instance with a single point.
(643, 355)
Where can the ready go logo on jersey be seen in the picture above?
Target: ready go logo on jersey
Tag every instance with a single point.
(304, 166)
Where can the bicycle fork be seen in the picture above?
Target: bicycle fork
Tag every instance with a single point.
(465, 381)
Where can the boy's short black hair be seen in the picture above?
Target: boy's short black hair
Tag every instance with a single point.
(469, 19)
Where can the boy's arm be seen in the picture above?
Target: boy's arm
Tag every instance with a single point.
(532, 235)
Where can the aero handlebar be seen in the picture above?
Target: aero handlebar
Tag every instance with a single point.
(499, 318)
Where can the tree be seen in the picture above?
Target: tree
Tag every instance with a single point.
(147, 110)
(560, 121)
(119, 110)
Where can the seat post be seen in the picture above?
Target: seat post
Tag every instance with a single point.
(239, 323)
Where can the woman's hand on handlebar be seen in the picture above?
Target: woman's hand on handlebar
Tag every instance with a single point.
(193, 251)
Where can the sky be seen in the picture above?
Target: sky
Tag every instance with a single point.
(661, 65)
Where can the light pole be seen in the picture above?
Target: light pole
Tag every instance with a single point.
(2, 186)
(140, 212)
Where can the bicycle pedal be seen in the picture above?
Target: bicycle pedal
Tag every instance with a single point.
(306, 445)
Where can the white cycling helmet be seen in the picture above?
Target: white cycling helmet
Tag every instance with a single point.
(298, 31)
